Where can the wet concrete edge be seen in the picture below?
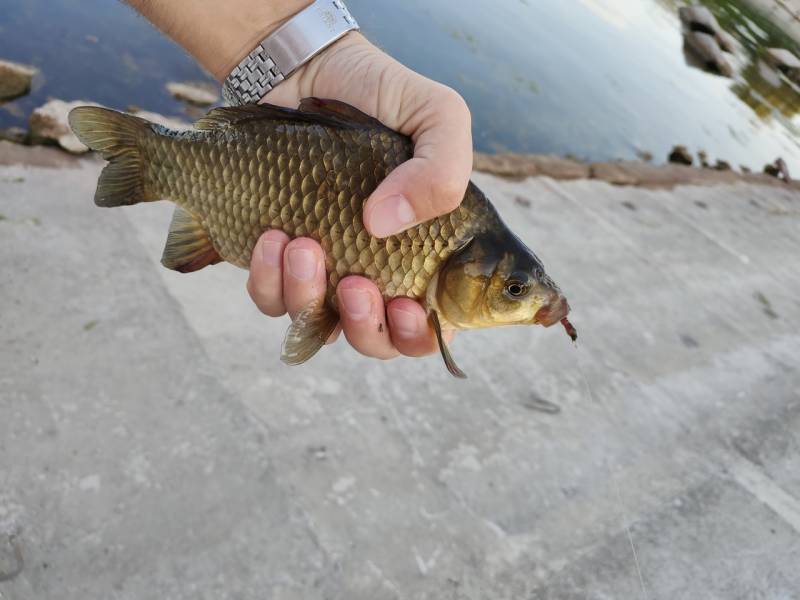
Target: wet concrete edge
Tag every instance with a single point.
(620, 172)
(509, 166)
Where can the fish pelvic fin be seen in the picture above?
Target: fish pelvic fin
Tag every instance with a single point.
(117, 137)
(189, 248)
(309, 332)
(448, 358)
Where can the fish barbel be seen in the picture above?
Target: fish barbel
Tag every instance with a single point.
(308, 172)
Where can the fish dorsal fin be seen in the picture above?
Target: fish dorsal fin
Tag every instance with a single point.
(337, 109)
(231, 116)
(448, 358)
(188, 246)
(308, 333)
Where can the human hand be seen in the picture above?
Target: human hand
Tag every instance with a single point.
(286, 276)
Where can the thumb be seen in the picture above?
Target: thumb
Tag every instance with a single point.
(433, 182)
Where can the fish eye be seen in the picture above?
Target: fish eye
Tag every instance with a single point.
(516, 289)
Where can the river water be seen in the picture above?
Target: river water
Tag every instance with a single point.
(595, 79)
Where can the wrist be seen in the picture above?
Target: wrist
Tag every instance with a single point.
(241, 31)
(282, 52)
(304, 81)
(348, 45)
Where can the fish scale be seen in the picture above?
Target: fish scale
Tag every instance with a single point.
(307, 180)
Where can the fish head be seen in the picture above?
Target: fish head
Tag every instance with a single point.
(496, 280)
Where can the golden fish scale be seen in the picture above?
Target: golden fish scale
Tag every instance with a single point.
(307, 180)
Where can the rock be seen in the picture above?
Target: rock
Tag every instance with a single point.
(782, 58)
(199, 94)
(778, 169)
(722, 165)
(726, 41)
(784, 169)
(50, 123)
(784, 61)
(530, 165)
(769, 74)
(15, 79)
(705, 49)
(745, 169)
(699, 18)
(681, 156)
(14, 134)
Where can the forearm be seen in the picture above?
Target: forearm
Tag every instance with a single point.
(218, 33)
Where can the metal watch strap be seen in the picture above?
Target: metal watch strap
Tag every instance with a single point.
(287, 48)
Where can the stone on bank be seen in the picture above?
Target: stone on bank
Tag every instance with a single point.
(50, 123)
(15, 79)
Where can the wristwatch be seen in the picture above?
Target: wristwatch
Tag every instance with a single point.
(291, 45)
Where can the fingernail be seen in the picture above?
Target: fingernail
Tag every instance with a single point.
(391, 215)
(404, 323)
(302, 264)
(357, 303)
(271, 253)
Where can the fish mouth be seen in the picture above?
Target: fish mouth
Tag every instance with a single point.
(553, 312)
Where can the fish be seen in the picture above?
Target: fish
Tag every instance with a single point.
(308, 172)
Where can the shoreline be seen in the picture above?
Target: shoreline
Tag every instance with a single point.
(514, 167)
(632, 173)
(784, 14)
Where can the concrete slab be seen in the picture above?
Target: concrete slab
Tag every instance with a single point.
(153, 446)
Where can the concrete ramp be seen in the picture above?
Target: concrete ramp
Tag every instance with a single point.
(152, 445)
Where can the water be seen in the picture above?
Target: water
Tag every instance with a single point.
(97, 50)
(596, 79)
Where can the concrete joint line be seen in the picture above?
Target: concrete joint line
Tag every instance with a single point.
(758, 483)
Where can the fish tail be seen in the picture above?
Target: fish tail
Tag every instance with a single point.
(117, 137)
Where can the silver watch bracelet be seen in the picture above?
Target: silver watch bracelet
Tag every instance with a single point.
(284, 50)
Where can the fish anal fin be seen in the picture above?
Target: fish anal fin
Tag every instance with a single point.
(188, 247)
(338, 110)
(309, 332)
(448, 358)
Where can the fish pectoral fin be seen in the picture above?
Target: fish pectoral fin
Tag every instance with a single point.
(338, 110)
(309, 332)
(448, 358)
(188, 246)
